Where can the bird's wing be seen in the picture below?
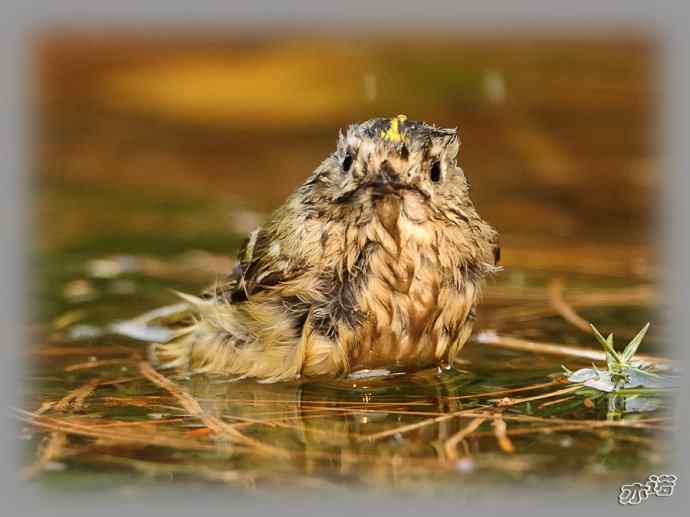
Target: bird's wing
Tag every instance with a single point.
(260, 266)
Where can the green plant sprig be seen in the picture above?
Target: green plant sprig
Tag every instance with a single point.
(618, 363)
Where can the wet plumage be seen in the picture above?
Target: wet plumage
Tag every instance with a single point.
(376, 261)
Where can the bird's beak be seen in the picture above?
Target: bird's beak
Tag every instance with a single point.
(386, 174)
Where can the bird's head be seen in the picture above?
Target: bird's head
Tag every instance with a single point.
(385, 158)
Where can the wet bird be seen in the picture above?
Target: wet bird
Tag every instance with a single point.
(375, 262)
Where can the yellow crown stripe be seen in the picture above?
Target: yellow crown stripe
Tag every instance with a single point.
(393, 134)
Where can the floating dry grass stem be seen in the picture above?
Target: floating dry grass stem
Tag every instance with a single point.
(451, 445)
(407, 428)
(497, 393)
(491, 338)
(57, 440)
(500, 430)
(555, 290)
(221, 429)
(557, 401)
(506, 402)
(75, 399)
(124, 436)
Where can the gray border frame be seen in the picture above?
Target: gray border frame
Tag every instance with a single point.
(668, 20)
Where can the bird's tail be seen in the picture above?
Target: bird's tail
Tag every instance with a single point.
(247, 340)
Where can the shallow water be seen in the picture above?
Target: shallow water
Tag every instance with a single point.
(132, 203)
(338, 432)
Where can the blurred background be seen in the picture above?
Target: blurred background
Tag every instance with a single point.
(148, 141)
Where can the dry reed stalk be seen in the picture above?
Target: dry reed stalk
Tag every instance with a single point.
(57, 440)
(127, 423)
(407, 428)
(589, 426)
(74, 400)
(512, 343)
(558, 302)
(132, 437)
(321, 403)
(506, 391)
(559, 401)
(389, 411)
(478, 413)
(507, 402)
(307, 403)
(220, 428)
(500, 430)
(553, 420)
(450, 445)
(46, 406)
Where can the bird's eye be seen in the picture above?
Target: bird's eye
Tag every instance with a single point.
(347, 163)
(435, 173)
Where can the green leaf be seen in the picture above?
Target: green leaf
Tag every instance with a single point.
(590, 393)
(583, 375)
(599, 337)
(604, 382)
(647, 379)
(632, 347)
(643, 371)
(613, 358)
(607, 344)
